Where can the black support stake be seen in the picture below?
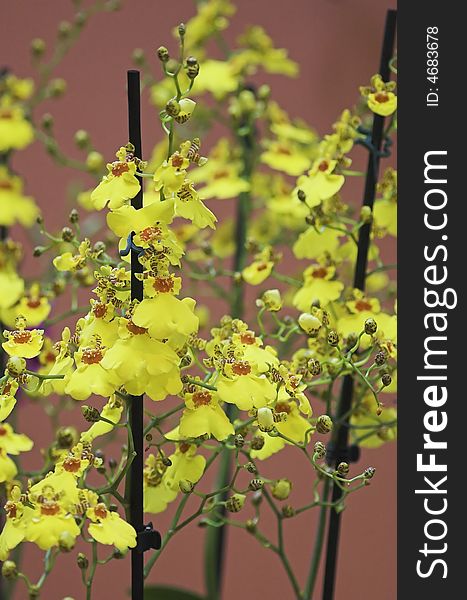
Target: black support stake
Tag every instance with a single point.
(340, 443)
(136, 409)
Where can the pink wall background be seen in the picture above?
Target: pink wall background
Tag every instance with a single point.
(336, 42)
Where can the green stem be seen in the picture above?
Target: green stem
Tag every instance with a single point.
(318, 547)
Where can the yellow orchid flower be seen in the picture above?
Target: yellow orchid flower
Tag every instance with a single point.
(119, 185)
(14, 206)
(204, 416)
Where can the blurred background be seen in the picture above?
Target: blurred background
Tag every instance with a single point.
(337, 45)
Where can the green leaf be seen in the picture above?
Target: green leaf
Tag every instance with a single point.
(162, 592)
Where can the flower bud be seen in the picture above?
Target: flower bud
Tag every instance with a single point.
(272, 300)
(250, 467)
(309, 323)
(369, 473)
(38, 47)
(265, 418)
(39, 251)
(64, 29)
(319, 449)
(333, 338)
(172, 65)
(47, 121)
(239, 441)
(314, 366)
(66, 541)
(82, 561)
(138, 56)
(366, 215)
(370, 326)
(301, 195)
(67, 234)
(15, 366)
(343, 468)
(163, 54)
(324, 424)
(57, 87)
(186, 486)
(192, 67)
(288, 511)
(386, 379)
(94, 161)
(255, 485)
(257, 442)
(81, 138)
(90, 414)
(181, 29)
(380, 358)
(250, 526)
(66, 437)
(172, 108)
(235, 503)
(281, 489)
(9, 570)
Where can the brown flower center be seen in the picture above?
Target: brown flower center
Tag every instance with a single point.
(201, 398)
(22, 336)
(72, 464)
(184, 447)
(11, 509)
(150, 234)
(3, 430)
(381, 97)
(163, 284)
(241, 367)
(5, 185)
(220, 174)
(34, 302)
(177, 160)
(134, 329)
(100, 511)
(50, 508)
(99, 310)
(323, 165)
(248, 338)
(5, 113)
(118, 168)
(282, 407)
(92, 356)
(361, 305)
(320, 273)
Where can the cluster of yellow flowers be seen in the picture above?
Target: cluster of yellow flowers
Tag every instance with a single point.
(294, 324)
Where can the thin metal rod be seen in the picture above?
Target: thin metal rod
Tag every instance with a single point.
(341, 436)
(136, 408)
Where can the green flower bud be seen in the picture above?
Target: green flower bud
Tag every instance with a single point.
(272, 300)
(256, 484)
(235, 503)
(250, 467)
(250, 526)
(324, 424)
(82, 561)
(95, 161)
(370, 326)
(66, 437)
(90, 414)
(172, 108)
(239, 441)
(57, 87)
(163, 54)
(333, 338)
(66, 541)
(138, 56)
(343, 468)
(314, 366)
(181, 29)
(288, 511)
(301, 195)
(369, 473)
(257, 442)
(309, 323)
(38, 47)
(64, 29)
(67, 234)
(386, 379)
(9, 570)
(81, 138)
(186, 486)
(319, 449)
(281, 489)
(265, 418)
(380, 358)
(15, 366)
(366, 215)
